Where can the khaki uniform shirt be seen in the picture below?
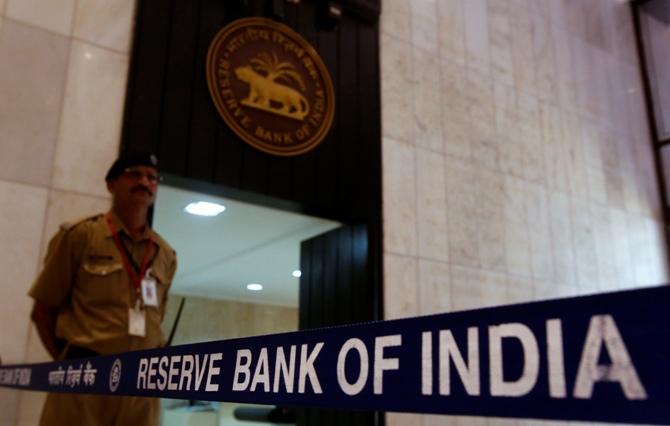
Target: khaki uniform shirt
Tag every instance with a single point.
(85, 279)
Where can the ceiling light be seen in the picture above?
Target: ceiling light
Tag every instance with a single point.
(254, 287)
(297, 273)
(335, 10)
(203, 208)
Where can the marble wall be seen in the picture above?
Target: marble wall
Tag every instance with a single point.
(517, 158)
(63, 66)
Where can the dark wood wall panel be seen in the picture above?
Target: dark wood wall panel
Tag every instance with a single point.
(169, 109)
(335, 269)
(142, 117)
(180, 73)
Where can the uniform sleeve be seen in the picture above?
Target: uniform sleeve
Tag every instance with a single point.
(62, 260)
(173, 267)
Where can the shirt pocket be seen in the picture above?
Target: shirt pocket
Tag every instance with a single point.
(103, 283)
(102, 269)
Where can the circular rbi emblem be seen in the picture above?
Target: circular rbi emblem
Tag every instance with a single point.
(270, 86)
(115, 375)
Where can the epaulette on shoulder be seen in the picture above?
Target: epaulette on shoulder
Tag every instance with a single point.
(161, 241)
(67, 226)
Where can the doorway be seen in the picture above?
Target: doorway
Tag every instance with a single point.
(239, 274)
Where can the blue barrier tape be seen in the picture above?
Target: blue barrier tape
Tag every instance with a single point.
(603, 357)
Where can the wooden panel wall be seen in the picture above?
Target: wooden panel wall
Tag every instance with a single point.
(334, 290)
(169, 110)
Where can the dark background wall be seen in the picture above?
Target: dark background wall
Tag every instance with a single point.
(169, 110)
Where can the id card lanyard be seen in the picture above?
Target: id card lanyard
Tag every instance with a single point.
(135, 277)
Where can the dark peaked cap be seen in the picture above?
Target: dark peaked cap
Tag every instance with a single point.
(131, 160)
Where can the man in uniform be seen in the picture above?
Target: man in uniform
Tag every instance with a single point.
(103, 290)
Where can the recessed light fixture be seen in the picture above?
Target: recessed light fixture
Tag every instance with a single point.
(297, 273)
(254, 287)
(204, 208)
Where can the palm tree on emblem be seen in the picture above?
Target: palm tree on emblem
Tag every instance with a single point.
(266, 92)
(276, 70)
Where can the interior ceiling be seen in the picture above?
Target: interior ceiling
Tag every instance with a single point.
(218, 256)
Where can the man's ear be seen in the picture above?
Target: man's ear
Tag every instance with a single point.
(110, 186)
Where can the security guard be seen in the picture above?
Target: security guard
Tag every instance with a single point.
(103, 290)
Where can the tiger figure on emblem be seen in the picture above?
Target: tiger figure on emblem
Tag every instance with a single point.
(264, 90)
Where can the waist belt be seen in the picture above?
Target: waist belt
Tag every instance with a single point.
(75, 352)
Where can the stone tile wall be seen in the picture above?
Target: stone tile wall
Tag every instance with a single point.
(63, 66)
(517, 159)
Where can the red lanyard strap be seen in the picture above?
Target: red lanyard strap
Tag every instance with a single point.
(135, 278)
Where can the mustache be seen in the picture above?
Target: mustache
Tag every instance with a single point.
(141, 188)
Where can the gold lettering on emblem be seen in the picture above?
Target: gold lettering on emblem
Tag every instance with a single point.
(303, 132)
(264, 134)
